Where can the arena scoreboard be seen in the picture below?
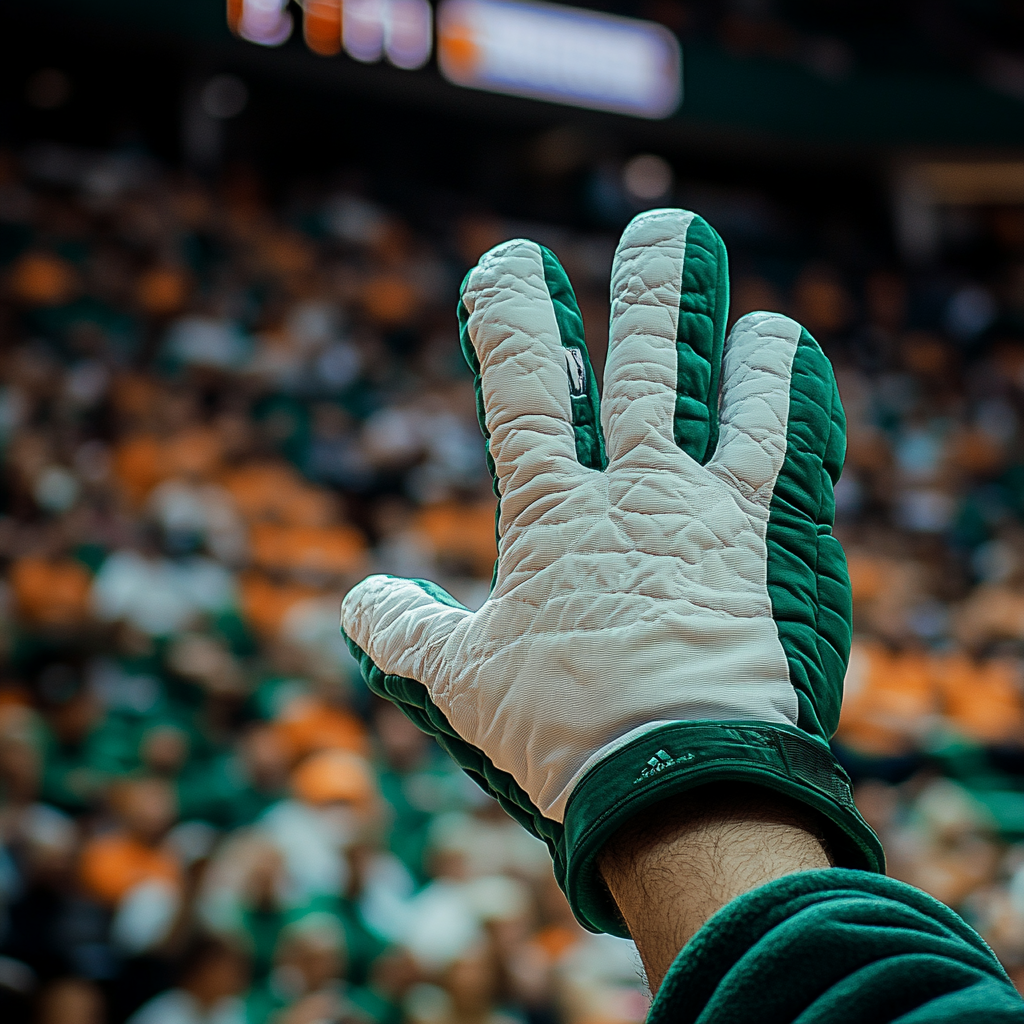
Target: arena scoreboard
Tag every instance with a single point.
(536, 50)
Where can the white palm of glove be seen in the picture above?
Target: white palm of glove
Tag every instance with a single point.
(624, 598)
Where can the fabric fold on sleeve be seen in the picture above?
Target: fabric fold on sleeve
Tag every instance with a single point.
(836, 947)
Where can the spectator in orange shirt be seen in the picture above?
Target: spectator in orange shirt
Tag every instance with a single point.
(889, 704)
(983, 700)
(51, 592)
(890, 699)
(308, 723)
(131, 869)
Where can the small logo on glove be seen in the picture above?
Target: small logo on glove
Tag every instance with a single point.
(657, 764)
(577, 372)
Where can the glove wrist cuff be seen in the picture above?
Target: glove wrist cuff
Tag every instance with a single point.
(680, 756)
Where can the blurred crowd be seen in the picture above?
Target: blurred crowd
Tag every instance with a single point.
(218, 412)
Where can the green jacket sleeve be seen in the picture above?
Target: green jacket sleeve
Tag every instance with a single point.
(836, 947)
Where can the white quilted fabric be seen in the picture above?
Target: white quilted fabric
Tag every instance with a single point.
(626, 597)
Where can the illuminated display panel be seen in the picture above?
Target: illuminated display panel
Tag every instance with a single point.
(561, 54)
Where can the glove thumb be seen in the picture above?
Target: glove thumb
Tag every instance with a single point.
(403, 625)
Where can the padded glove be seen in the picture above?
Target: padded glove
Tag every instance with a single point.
(669, 606)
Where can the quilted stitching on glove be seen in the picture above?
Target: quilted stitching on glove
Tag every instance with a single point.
(674, 566)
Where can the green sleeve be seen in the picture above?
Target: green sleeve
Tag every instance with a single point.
(836, 947)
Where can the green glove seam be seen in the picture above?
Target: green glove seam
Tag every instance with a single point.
(680, 756)
(700, 338)
(803, 555)
(586, 408)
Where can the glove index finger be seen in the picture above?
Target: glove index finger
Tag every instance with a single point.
(579, 374)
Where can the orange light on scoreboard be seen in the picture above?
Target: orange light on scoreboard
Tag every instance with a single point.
(235, 8)
(321, 26)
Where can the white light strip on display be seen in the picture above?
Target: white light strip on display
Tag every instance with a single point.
(401, 30)
(561, 54)
(410, 30)
(265, 22)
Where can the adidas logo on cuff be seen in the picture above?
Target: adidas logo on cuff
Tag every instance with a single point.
(661, 760)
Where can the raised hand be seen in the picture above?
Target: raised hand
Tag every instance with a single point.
(669, 605)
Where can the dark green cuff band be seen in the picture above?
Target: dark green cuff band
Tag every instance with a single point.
(679, 756)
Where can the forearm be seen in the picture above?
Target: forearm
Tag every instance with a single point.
(734, 870)
(674, 866)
